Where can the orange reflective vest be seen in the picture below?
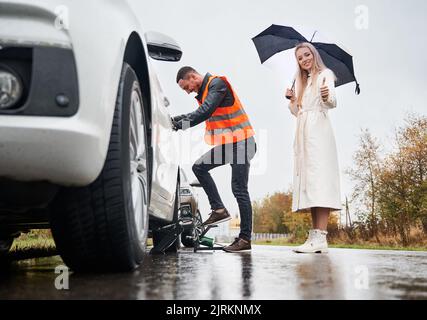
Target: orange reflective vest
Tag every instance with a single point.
(227, 124)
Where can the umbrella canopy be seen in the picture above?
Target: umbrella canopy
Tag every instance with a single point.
(277, 39)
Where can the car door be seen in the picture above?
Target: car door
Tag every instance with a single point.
(165, 168)
(164, 148)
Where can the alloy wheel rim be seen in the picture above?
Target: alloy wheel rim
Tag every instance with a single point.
(138, 165)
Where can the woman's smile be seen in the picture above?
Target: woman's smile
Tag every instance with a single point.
(307, 64)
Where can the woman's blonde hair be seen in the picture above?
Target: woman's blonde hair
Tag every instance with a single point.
(302, 75)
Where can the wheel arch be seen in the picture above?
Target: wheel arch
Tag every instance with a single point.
(136, 57)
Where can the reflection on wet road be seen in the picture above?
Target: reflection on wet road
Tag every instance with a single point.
(266, 273)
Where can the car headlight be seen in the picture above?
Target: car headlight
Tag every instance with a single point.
(11, 89)
(185, 192)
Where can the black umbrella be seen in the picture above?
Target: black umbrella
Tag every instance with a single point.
(278, 38)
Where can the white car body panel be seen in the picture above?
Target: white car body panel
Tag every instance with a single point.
(71, 151)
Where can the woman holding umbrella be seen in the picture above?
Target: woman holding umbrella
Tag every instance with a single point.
(316, 184)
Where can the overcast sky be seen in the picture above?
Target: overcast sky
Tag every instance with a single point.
(389, 57)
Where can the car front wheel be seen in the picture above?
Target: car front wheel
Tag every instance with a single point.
(104, 226)
(5, 245)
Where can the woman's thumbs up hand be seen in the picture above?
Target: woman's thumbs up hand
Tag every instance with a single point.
(324, 91)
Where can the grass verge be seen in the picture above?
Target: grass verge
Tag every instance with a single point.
(35, 244)
(286, 242)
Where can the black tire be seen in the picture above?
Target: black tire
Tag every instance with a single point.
(158, 236)
(187, 237)
(95, 227)
(5, 245)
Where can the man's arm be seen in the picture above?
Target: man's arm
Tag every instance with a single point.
(217, 92)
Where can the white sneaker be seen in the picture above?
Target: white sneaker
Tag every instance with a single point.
(316, 243)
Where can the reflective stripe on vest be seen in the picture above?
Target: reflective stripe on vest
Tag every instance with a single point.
(227, 124)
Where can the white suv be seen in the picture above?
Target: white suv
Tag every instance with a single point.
(85, 133)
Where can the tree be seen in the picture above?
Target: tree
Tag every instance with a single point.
(391, 192)
(412, 141)
(423, 214)
(298, 224)
(404, 178)
(274, 215)
(365, 175)
(268, 214)
(394, 195)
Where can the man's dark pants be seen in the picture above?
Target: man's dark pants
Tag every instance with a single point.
(238, 155)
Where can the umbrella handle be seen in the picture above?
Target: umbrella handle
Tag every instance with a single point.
(313, 36)
(293, 87)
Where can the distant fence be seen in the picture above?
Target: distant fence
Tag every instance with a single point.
(268, 236)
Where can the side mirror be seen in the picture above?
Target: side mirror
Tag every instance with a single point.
(196, 184)
(162, 47)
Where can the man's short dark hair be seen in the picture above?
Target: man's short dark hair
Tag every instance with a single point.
(184, 72)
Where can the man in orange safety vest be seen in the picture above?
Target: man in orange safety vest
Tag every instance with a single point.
(229, 131)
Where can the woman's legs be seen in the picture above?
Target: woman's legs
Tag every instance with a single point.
(320, 218)
(314, 218)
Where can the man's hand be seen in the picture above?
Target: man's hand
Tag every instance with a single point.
(176, 125)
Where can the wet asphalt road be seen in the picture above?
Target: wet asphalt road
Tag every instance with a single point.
(267, 273)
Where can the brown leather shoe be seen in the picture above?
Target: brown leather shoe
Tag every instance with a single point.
(217, 217)
(238, 245)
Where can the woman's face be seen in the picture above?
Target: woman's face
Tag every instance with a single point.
(305, 58)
